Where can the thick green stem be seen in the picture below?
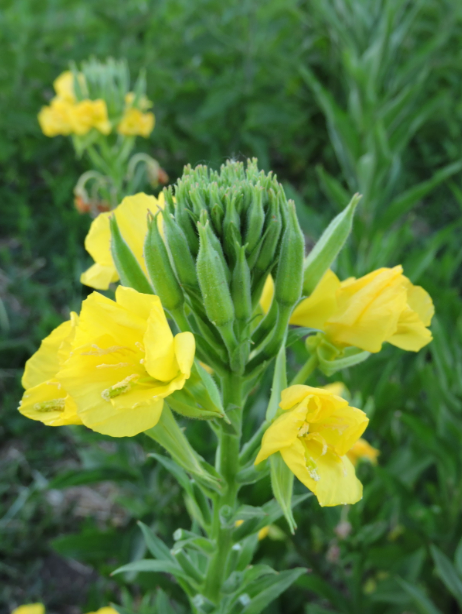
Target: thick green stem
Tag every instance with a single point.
(227, 464)
(305, 372)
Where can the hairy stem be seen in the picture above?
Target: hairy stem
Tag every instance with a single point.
(227, 464)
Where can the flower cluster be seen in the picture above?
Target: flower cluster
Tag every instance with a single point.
(81, 105)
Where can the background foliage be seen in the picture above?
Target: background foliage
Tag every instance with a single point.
(336, 96)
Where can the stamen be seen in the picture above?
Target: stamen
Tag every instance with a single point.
(97, 351)
(49, 406)
(117, 389)
(304, 429)
(119, 365)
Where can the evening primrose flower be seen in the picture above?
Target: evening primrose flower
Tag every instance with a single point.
(383, 306)
(106, 610)
(123, 362)
(89, 114)
(131, 216)
(45, 398)
(136, 123)
(31, 608)
(55, 120)
(362, 450)
(314, 433)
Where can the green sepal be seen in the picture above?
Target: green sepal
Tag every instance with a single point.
(128, 267)
(331, 358)
(326, 250)
(160, 269)
(241, 287)
(171, 437)
(199, 398)
(282, 482)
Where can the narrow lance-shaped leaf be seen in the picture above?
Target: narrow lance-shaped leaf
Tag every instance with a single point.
(128, 267)
(328, 247)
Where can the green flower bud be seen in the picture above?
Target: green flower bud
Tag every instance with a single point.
(215, 243)
(240, 287)
(255, 220)
(128, 268)
(183, 261)
(289, 277)
(184, 219)
(213, 281)
(159, 268)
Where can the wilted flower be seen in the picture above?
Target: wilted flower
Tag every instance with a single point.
(114, 371)
(314, 433)
(131, 216)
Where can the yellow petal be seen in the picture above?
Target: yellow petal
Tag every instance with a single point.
(337, 388)
(368, 310)
(412, 334)
(49, 403)
(136, 302)
(421, 302)
(362, 450)
(161, 362)
(98, 239)
(185, 348)
(337, 484)
(44, 364)
(342, 428)
(282, 433)
(313, 311)
(104, 611)
(31, 608)
(267, 295)
(99, 277)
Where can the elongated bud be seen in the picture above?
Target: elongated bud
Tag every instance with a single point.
(265, 260)
(240, 288)
(328, 247)
(289, 277)
(183, 261)
(255, 220)
(159, 268)
(184, 220)
(215, 243)
(231, 228)
(128, 268)
(213, 282)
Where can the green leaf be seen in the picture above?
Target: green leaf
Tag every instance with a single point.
(295, 334)
(326, 250)
(128, 267)
(282, 482)
(418, 597)
(178, 473)
(279, 383)
(121, 610)
(458, 557)
(78, 477)
(155, 545)
(332, 188)
(267, 589)
(448, 573)
(152, 566)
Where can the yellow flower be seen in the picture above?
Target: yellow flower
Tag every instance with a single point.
(31, 608)
(64, 86)
(45, 398)
(106, 610)
(131, 216)
(89, 114)
(123, 362)
(55, 119)
(262, 533)
(135, 123)
(383, 306)
(337, 388)
(314, 433)
(362, 450)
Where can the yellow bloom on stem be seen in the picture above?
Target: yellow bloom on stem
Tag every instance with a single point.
(55, 120)
(135, 122)
(105, 610)
(383, 306)
(64, 86)
(31, 608)
(131, 216)
(45, 398)
(123, 362)
(362, 450)
(314, 434)
(89, 114)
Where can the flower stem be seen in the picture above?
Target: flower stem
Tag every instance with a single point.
(305, 372)
(227, 463)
